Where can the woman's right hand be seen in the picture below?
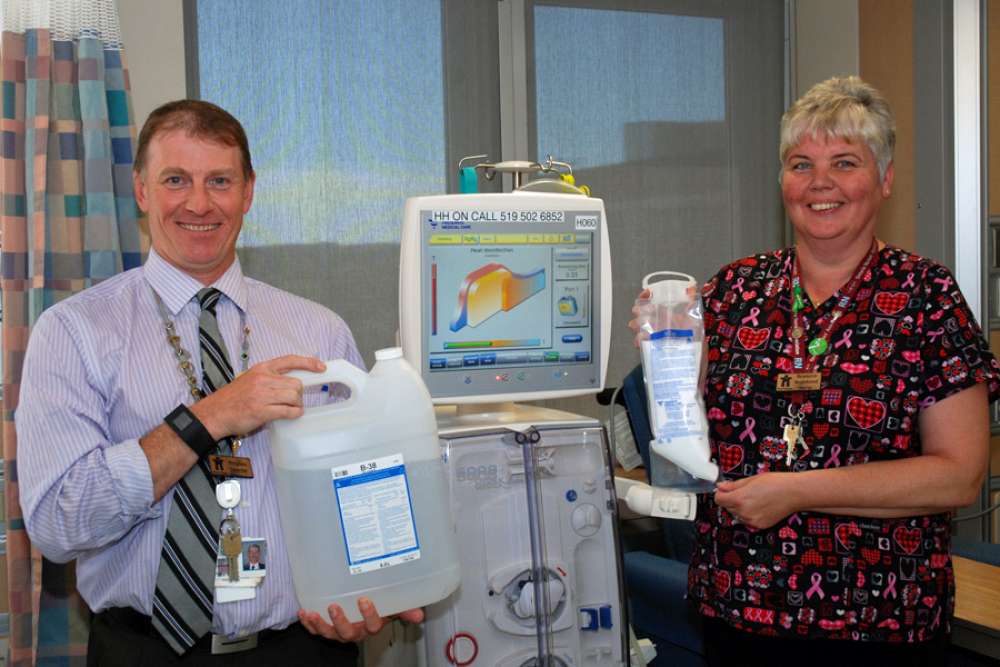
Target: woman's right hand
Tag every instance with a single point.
(642, 312)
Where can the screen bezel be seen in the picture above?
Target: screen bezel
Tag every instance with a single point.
(483, 385)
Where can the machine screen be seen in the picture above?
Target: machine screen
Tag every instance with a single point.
(508, 300)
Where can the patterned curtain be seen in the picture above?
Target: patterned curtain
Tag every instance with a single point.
(68, 221)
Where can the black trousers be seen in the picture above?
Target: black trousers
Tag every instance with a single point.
(125, 638)
(727, 647)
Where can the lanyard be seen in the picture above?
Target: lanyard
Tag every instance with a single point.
(804, 376)
(220, 465)
(819, 345)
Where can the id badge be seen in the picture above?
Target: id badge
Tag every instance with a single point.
(252, 566)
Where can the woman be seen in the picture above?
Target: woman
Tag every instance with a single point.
(847, 391)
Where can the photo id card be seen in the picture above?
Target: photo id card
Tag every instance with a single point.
(251, 565)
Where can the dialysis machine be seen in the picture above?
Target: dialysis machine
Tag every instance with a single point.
(507, 297)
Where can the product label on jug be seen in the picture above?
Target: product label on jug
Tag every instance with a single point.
(376, 515)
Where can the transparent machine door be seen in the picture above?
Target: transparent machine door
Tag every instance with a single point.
(537, 537)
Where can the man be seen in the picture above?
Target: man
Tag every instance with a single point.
(253, 563)
(124, 401)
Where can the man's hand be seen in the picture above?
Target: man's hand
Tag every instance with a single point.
(260, 395)
(343, 630)
(252, 399)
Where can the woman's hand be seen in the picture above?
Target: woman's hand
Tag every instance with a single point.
(759, 501)
(642, 316)
(947, 474)
(342, 630)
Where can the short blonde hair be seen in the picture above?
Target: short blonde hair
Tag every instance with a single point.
(844, 107)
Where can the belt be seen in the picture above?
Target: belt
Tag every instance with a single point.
(211, 643)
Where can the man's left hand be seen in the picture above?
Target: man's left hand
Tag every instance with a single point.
(343, 630)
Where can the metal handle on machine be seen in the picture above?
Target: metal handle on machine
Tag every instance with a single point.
(471, 158)
(520, 169)
(553, 165)
(532, 486)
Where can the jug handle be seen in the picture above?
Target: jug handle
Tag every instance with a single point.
(337, 370)
(646, 283)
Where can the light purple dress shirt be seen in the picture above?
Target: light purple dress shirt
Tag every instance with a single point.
(98, 375)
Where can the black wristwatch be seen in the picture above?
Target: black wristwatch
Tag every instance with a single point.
(190, 429)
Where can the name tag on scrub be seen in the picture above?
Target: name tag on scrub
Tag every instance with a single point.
(799, 381)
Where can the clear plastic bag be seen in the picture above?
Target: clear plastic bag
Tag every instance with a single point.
(672, 347)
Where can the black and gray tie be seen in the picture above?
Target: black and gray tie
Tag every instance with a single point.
(182, 602)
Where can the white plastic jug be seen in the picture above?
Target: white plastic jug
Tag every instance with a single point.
(362, 493)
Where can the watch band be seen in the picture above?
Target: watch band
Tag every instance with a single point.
(190, 429)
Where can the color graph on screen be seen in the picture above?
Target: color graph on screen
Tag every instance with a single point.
(491, 289)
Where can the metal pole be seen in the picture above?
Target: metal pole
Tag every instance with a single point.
(539, 571)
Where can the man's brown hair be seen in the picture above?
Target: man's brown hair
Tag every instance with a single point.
(197, 118)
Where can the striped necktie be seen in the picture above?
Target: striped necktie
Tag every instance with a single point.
(182, 602)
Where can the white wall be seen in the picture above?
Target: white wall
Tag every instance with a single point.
(153, 37)
(826, 41)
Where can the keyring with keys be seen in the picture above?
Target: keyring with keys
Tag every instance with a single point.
(228, 494)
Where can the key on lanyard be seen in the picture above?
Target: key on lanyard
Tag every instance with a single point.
(792, 437)
(228, 494)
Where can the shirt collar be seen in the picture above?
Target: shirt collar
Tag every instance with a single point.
(176, 288)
